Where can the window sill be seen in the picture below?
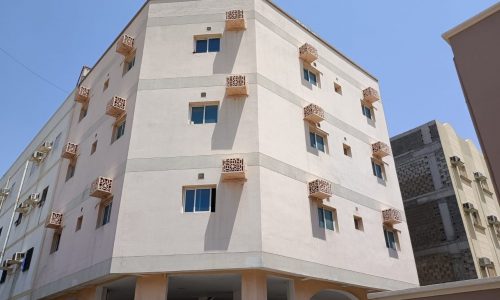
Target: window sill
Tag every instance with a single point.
(488, 192)
(480, 227)
(465, 178)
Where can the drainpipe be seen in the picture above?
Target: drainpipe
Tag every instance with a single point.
(14, 212)
(4, 197)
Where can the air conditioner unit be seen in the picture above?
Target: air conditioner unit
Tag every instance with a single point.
(456, 161)
(4, 192)
(468, 206)
(479, 176)
(493, 220)
(46, 147)
(37, 156)
(484, 262)
(33, 199)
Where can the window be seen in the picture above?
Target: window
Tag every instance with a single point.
(347, 150)
(204, 114)
(106, 85)
(310, 77)
(19, 218)
(199, 200)
(338, 88)
(358, 223)
(390, 239)
(128, 64)
(1, 231)
(462, 171)
(325, 219)
(4, 276)
(476, 219)
(79, 223)
(71, 171)
(93, 148)
(83, 112)
(378, 169)
(57, 141)
(118, 131)
(317, 141)
(44, 196)
(33, 168)
(367, 111)
(105, 214)
(204, 45)
(27, 260)
(56, 240)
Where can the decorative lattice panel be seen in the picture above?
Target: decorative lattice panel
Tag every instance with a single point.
(101, 187)
(392, 216)
(381, 149)
(320, 189)
(116, 107)
(54, 220)
(70, 151)
(236, 85)
(125, 45)
(314, 113)
(82, 94)
(370, 95)
(415, 178)
(233, 168)
(308, 53)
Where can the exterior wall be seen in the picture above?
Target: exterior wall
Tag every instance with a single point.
(476, 58)
(443, 239)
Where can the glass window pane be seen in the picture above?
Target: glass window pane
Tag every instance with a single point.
(197, 115)
(392, 239)
(189, 201)
(201, 46)
(312, 137)
(306, 74)
(320, 143)
(321, 218)
(211, 113)
(312, 79)
(329, 219)
(214, 45)
(203, 200)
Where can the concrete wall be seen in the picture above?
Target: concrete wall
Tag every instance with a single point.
(478, 65)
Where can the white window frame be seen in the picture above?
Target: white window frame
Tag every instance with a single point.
(195, 189)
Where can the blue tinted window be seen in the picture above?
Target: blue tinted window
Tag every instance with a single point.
(203, 200)
(107, 214)
(367, 112)
(312, 78)
(390, 239)
(320, 143)
(201, 46)
(329, 219)
(306, 75)
(211, 112)
(189, 201)
(214, 45)
(321, 217)
(312, 137)
(197, 115)
(377, 170)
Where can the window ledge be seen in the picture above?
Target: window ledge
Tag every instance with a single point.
(465, 178)
(488, 192)
(480, 227)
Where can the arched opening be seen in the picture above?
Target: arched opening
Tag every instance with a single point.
(333, 295)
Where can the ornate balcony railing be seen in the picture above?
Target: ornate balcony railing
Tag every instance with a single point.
(54, 220)
(392, 216)
(101, 188)
(233, 169)
(125, 45)
(308, 53)
(236, 85)
(82, 94)
(235, 20)
(314, 113)
(320, 189)
(116, 107)
(370, 95)
(381, 149)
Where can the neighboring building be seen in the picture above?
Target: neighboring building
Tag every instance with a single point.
(217, 150)
(450, 204)
(476, 48)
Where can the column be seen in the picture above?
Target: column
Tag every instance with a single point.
(254, 285)
(153, 287)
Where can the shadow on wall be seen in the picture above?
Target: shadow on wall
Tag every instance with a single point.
(225, 130)
(221, 223)
(226, 58)
(317, 231)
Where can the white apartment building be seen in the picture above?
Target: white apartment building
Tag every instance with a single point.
(218, 150)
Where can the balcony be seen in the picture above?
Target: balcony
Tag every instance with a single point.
(320, 189)
(233, 169)
(392, 216)
(236, 85)
(308, 53)
(101, 188)
(235, 20)
(381, 149)
(70, 151)
(54, 221)
(314, 113)
(370, 95)
(82, 95)
(125, 45)
(116, 107)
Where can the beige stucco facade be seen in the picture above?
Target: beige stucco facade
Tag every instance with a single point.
(263, 238)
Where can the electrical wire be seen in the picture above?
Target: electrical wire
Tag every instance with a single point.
(33, 72)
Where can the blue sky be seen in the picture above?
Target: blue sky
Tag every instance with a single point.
(397, 41)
